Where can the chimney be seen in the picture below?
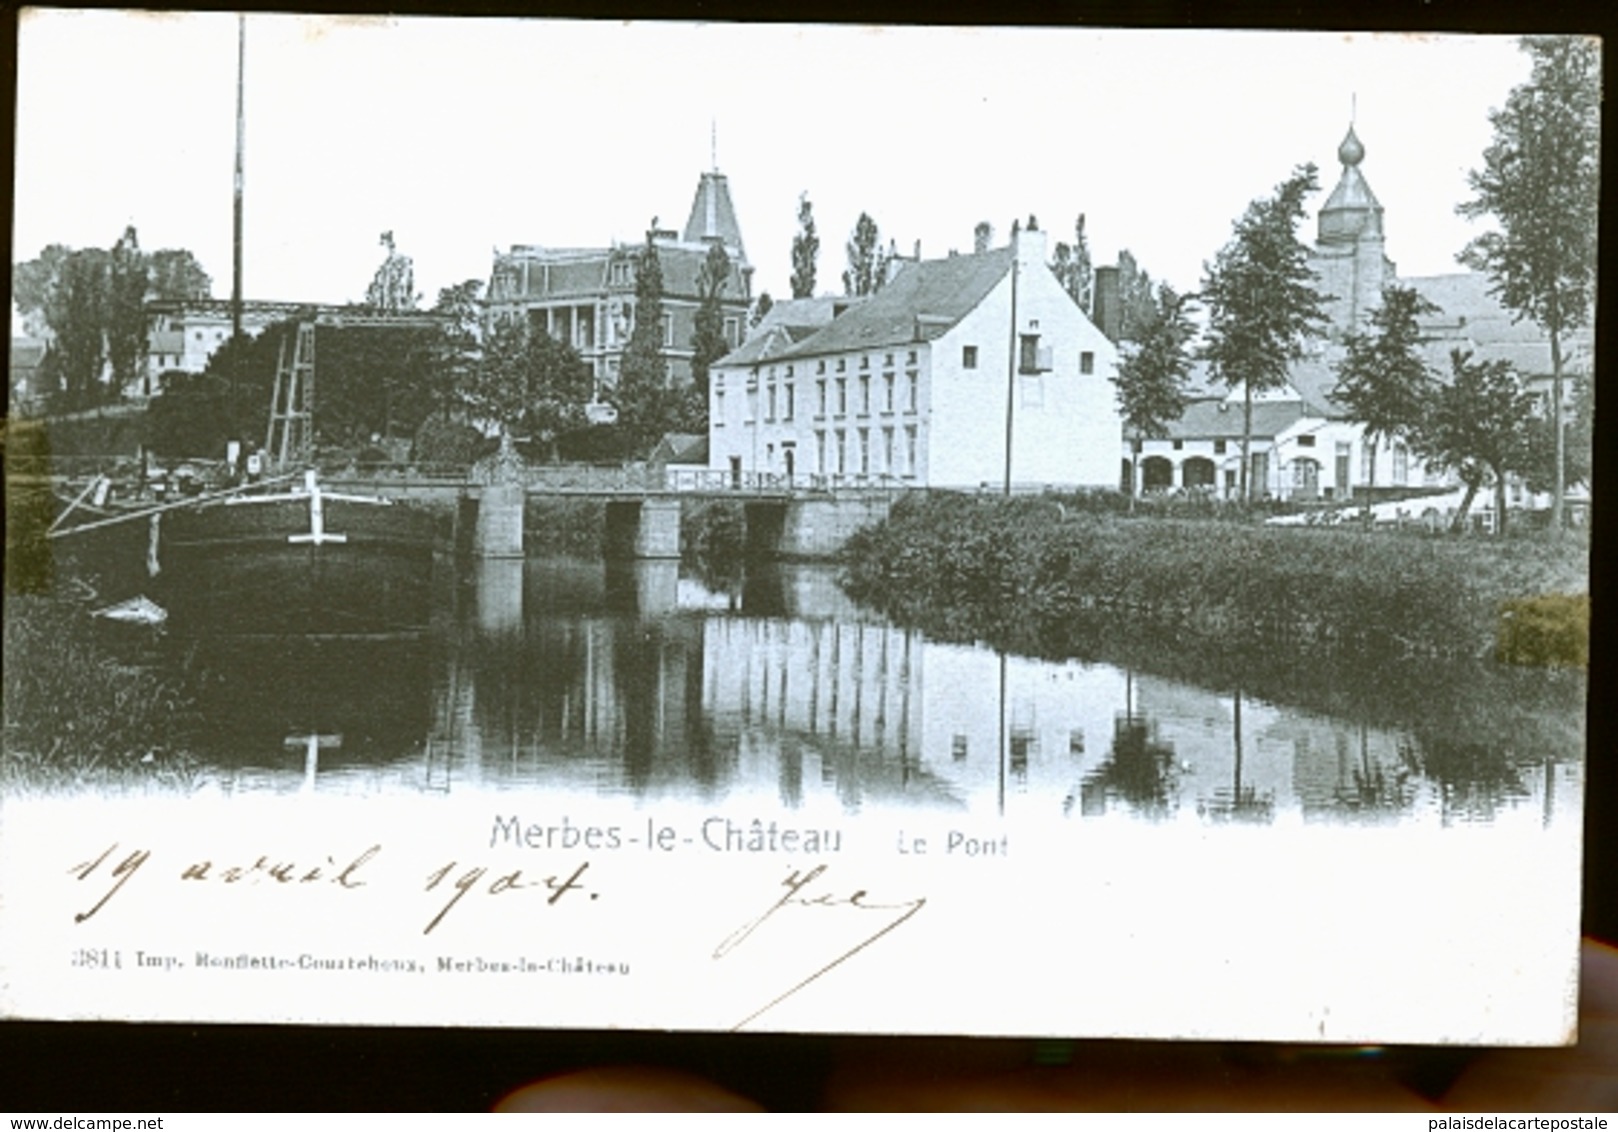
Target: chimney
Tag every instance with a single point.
(1106, 312)
(1030, 246)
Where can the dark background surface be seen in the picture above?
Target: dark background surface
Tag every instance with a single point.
(80, 1067)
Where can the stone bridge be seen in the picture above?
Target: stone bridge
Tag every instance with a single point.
(786, 516)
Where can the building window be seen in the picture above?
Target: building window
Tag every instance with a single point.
(732, 327)
(789, 371)
(1219, 447)
(668, 330)
(865, 361)
(1179, 445)
(792, 400)
(1401, 463)
(1087, 362)
(887, 450)
(1031, 356)
(865, 395)
(820, 366)
(1306, 441)
(771, 415)
(752, 405)
(912, 396)
(865, 451)
(912, 358)
(969, 357)
(910, 450)
(820, 397)
(820, 451)
(842, 364)
(718, 408)
(887, 393)
(1340, 482)
(1367, 460)
(842, 396)
(842, 451)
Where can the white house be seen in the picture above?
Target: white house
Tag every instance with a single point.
(924, 382)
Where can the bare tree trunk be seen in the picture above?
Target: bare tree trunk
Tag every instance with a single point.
(1559, 488)
(1458, 524)
(1247, 442)
(1500, 502)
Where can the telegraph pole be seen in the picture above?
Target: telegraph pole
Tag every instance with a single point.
(241, 142)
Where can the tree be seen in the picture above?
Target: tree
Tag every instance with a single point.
(175, 274)
(1382, 382)
(76, 313)
(708, 342)
(864, 254)
(1540, 180)
(1152, 377)
(1073, 269)
(1262, 307)
(456, 355)
(805, 250)
(393, 287)
(33, 287)
(127, 283)
(1477, 426)
(529, 383)
(1578, 436)
(761, 307)
(1137, 299)
(644, 403)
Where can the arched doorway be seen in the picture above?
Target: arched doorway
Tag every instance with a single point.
(1197, 472)
(1157, 474)
(1305, 478)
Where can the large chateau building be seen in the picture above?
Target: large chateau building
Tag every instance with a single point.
(585, 297)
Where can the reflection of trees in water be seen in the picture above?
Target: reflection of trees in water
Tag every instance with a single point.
(1138, 770)
(1240, 801)
(1473, 779)
(1368, 789)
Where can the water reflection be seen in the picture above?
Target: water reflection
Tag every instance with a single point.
(634, 679)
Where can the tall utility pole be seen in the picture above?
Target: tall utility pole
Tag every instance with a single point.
(241, 142)
(1011, 365)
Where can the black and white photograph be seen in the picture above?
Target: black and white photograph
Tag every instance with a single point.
(508, 526)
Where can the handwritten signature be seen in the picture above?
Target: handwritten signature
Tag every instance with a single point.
(803, 890)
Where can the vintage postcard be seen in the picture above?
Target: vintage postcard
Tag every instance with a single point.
(892, 530)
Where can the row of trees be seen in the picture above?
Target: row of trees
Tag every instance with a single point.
(1539, 182)
(91, 304)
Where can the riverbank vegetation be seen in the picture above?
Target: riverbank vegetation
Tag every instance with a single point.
(992, 565)
(77, 711)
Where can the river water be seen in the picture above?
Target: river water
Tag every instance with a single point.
(643, 681)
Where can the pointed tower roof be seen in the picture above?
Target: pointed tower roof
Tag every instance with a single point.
(713, 216)
(1352, 210)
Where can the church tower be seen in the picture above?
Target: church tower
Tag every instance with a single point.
(1349, 259)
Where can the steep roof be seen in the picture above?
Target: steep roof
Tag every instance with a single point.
(713, 217)
(1470, 318)
(921, 302)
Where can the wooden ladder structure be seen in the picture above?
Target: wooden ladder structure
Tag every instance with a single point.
(291, 438)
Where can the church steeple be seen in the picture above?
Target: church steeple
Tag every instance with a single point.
(1349, 261)
(1352, 211)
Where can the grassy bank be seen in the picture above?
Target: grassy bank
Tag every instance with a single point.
(991, 566)
(76, 712)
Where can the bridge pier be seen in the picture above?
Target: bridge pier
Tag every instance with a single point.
(497, 531)
(646, 528)
(810, 528)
